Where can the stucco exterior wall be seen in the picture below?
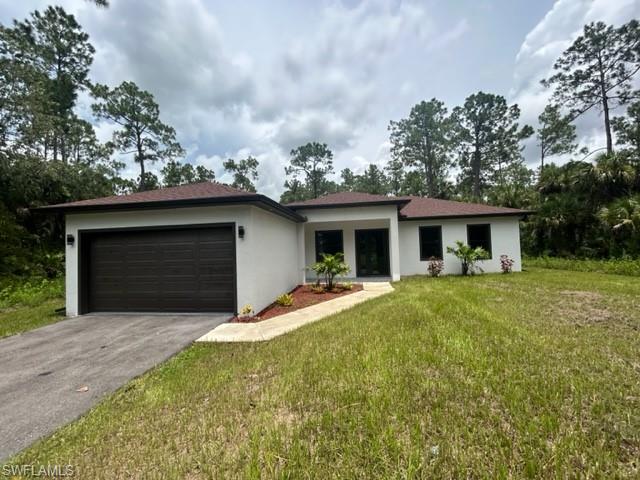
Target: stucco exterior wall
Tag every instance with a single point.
(269, 239)
(505, 240)
(274, 251)
(348, 220)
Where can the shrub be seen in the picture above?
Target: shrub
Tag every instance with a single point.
(435, 266)
(317, 288)
(246, 310)
(346, 286)
(285, 300)
(29, 292)
(330, 267)
(468, 256)
(50, 263)
(506, 263)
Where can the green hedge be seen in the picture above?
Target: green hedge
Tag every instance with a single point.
(615, 265)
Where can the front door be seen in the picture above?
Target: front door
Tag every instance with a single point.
(372, 252)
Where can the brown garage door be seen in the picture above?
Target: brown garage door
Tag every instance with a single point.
(177, 270)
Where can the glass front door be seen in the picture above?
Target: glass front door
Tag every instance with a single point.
(372, 252)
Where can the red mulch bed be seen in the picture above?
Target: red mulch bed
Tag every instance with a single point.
(303, 297)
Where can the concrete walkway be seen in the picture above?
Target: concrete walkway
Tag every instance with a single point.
(273, 327)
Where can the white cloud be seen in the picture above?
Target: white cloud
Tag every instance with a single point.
(174, 49)
(330, 79)
(545, 43)
(322, 86)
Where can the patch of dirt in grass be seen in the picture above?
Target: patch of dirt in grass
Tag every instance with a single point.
(255, 381)
(581, 294)
(588, 308)
(287, 417)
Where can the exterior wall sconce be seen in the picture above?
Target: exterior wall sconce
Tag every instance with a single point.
(70, 239)
(241, 231)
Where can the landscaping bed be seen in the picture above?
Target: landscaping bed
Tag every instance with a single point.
(303, 296)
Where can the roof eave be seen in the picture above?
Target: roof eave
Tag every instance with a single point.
(376, 203)
(522, 213)
(257, 200)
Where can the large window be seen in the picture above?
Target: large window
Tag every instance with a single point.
(430, 242)
(329, 242)
(479, 236)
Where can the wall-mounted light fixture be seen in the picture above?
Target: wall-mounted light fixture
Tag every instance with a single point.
(70, 239)
(241, 231)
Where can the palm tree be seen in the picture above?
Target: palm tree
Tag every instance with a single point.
(622, 216)
(611, 176)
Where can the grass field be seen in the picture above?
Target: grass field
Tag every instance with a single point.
(616, 266)
(29, 304)
(496, 376)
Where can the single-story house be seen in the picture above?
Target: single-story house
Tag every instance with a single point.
(208, 247)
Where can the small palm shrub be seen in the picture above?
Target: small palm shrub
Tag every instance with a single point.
(346, 286)
(506, 263)
(317, 288)
(468, 256)
(285, 300)
(247, 310)
(330, 267)
(435, 266)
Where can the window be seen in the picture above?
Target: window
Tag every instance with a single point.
(479, 236)
(430, 242)
(329, 242)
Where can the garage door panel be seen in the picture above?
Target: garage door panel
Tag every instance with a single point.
(211, 258)
(182, 270)
(209, 281)
(177, 270)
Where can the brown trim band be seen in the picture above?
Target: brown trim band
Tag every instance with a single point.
(256, 200)
(377, 203)
(523, 213)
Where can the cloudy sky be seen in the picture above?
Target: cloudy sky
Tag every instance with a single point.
(260, 78)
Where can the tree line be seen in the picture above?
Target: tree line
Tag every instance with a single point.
(589, 206)
(49, 154)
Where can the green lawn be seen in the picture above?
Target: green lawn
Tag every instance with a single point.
(617, 266)
(26, 304)
(497, 376)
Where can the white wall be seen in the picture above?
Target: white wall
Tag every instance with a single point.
(265, 259)
(274, 253)
(348, 220)
(505, 240)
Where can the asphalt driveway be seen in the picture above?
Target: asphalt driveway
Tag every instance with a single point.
(42, 370)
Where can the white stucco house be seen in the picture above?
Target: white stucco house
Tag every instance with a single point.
(208, 247)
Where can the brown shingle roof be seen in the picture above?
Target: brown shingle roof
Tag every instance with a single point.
(423, 207)
(342, 199)
(212, 192)
(205, 193)
(183, 192)
(411, 207)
